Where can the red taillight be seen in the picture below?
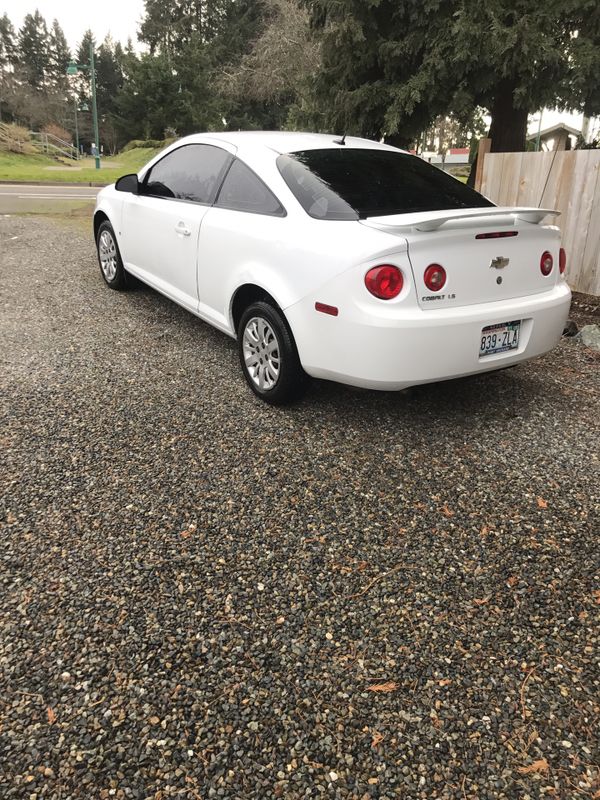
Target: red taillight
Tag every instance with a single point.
(435, 277)
(385, 281)
(546, 263)
(562, 260)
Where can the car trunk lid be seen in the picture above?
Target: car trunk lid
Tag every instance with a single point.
(488, 254)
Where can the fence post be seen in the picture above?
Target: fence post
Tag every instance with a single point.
(485, 145)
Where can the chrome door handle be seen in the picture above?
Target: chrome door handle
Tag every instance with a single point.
(181, 228)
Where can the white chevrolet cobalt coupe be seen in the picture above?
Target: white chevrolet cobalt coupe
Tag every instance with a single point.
(338, 258)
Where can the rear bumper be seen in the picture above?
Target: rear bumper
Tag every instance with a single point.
(361, 348)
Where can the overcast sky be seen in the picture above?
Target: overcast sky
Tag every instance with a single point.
(120, 18)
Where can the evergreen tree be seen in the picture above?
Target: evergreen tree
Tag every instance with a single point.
(8, 43)
(162, 91)
(217, 16)
(390, 66)
(169, 26)
(34, 57)
(59, 56)
(240, 23)
(83, 51)
(82, 83)
(119, 55)
(109, 74)
(8, 51)
(146, 103)
(198, 104)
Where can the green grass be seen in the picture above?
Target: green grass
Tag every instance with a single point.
(23, 168)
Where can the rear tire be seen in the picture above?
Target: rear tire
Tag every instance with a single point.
(268, 355)
(109, 258)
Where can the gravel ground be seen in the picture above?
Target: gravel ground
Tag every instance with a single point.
(364, 596)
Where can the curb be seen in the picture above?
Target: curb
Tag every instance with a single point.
(83, 184)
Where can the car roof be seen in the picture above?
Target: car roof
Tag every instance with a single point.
(285, 141)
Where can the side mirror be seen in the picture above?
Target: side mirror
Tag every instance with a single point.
(128, 183)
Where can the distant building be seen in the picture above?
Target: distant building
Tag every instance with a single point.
(558, 137)
(457, 155)
(454, 157)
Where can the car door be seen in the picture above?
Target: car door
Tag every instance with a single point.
(241, 229)
(161, 224)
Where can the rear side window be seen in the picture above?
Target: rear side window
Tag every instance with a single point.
(192, 172)
(354, 183)
(312, 192)
(242, 190)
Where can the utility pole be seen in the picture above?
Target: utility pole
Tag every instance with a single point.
(73, 69)
(94, 106)
(76, 127)
(539, 133)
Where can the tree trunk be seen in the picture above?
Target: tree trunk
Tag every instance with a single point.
(508, 129)
(399, 140)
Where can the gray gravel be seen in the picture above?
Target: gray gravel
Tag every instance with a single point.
(364, 596)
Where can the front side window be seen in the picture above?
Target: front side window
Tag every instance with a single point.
(356, 183)
(192, 172)
(242, 190)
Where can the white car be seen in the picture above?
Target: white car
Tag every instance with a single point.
(338, 258)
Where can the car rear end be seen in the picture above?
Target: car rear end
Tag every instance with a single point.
(346, 334)
(464, 290)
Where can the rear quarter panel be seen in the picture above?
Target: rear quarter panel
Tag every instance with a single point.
(289, 257)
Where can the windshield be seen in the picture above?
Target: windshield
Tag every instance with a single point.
(356, 183)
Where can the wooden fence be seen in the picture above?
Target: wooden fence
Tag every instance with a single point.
(568, 181)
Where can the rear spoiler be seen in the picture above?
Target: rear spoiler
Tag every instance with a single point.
(431, 220)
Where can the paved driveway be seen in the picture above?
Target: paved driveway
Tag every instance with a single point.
(364, 596)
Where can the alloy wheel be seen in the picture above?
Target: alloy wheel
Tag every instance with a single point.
(261, 353)
(107, 250)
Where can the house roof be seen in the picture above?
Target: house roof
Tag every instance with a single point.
(554, 130)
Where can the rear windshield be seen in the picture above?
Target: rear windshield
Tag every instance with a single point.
(355, 183)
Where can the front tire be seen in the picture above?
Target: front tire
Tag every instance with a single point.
(268, 355)
(109, 257)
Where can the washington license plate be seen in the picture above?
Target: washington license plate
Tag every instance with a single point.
(499, 338)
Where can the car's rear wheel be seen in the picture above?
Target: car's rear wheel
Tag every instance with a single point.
(109, 258)
(268, 355)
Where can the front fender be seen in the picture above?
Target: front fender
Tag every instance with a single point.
(110, 203)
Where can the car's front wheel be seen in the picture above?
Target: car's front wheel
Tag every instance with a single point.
(268, 355)
(109, 257)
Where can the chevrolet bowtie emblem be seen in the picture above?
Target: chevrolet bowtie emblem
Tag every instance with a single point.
(499, 262)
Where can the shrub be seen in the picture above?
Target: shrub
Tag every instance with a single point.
(135, 143)
(15, 139)
(54, 129)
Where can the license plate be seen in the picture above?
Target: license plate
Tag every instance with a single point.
(499, 338)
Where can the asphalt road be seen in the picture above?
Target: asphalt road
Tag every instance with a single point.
(25, 198)
(363, 596)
